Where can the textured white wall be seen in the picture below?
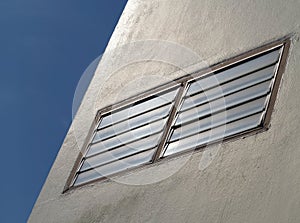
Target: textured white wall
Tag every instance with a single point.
(256, 179)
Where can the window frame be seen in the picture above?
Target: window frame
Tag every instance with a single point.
(183, 83)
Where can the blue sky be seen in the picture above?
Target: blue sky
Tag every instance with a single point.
(45, 46)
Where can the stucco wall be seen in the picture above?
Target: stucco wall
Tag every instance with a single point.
(255, 179)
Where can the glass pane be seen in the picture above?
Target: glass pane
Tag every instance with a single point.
(235, 72)
(220, 119)
(214, 134)
(229, 88)
(134, 122)
(127, 137)
(130, 162)
(223, 103)
(136, 109)
(130, 149)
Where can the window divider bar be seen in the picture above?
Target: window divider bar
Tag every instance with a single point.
(168, 125)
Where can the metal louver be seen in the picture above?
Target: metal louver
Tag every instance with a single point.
(224, 103)
(231, 99)
(127, 137)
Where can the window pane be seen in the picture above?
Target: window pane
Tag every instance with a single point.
(139, 108)
(223, 104)
(235, 72)
(135, 122)
(126, 150)
(220, 118)
(127, 137)
(229, 88)
(114, 167)
(210, 136)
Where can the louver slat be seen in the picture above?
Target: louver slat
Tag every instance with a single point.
(253, 65)
(213, 135)
(137, 109)
(123, 151)
(229, 88)
(127, 137)
(114, 167)
(133, 123)
(220, 118)
(224, 104)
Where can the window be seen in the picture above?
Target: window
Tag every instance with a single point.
(126, 137)
(224, 103)
(228, 100)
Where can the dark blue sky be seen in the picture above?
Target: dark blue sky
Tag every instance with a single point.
(45, 46)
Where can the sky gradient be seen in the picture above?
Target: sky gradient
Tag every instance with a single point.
(45, 46)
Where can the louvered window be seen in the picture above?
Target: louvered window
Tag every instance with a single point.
(127, 137)
(224, 103)
(229, 100)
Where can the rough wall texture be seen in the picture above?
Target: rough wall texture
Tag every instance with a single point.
(256, 179)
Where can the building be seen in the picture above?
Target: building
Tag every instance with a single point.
(253, 178)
